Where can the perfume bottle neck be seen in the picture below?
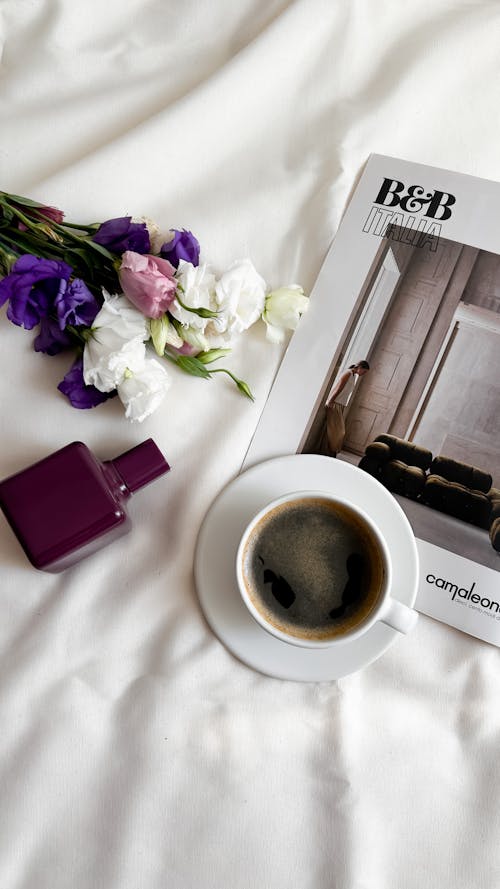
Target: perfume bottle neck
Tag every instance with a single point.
(138, 466)
(115, 480)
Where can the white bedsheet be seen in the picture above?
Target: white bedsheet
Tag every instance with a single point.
(135, 752)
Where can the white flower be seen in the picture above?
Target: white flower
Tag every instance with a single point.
(156, 238)
(143, 391)
(119, 313)
(116, 343)
(283, 309)
(197, 290)
(240, 294)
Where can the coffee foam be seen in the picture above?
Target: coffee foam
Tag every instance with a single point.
(304, 546)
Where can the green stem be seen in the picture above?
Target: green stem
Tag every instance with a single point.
(6, 247)
(34, 227)
(92, 227)
(42, 218)
(202, 313)
(29, 223)
(76, 333)
(29, 242)
(242, 386)
(7, 259)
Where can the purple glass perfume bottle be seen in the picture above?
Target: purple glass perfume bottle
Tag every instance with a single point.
(70, 504)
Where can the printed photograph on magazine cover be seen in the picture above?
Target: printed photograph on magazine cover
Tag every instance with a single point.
(414, 398)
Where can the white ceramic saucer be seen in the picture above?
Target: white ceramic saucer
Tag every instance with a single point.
(215, 565)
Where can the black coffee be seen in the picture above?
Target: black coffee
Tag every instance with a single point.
(313, 568)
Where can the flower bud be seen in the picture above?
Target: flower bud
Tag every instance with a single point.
(282, 311)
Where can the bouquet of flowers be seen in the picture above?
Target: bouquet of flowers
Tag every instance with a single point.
(116, 293)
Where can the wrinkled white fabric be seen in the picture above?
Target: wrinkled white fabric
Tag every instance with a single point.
(135, 751)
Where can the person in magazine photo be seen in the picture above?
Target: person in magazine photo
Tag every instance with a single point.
(336, 405)
(421, 412)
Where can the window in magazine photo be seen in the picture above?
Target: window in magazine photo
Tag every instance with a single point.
(414, 398)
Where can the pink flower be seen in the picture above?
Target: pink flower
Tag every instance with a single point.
(50, 213)
(38, 212)
(148, 282)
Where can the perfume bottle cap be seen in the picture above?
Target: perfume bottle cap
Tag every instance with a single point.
(140, 465)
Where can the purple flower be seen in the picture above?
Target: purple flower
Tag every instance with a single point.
(80, 395)
(121, 234)
(75, 304)
(182, 246)
(32, 288)
(51, 338)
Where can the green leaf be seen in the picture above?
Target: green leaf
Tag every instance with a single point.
(6, 215)
(17, 199)
(192, 366)
(79, 253)
(79, 333)
(93, 245)
(78, 226)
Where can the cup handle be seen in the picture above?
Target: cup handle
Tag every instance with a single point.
(398, 616)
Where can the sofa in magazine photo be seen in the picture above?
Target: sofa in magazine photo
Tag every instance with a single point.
(449, 486)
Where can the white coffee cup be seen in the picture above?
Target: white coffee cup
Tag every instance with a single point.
(333, 553)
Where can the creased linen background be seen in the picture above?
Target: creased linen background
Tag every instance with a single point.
(134, 750)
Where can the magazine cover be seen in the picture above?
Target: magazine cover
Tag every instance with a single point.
(396, 369)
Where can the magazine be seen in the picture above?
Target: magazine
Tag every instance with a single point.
(396, 369)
